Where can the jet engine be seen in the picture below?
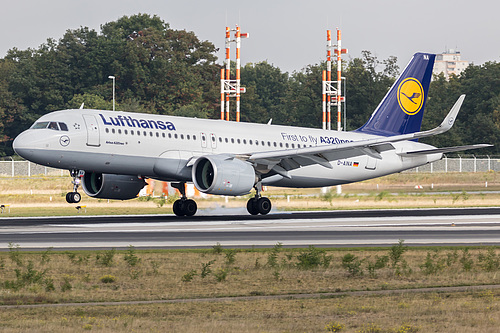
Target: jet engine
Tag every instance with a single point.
(110, 186)
(223, 175)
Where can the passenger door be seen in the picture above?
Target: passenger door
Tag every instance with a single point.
(93, 136)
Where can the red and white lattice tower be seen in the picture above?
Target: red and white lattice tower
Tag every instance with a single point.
(332, 90)
(231, 88)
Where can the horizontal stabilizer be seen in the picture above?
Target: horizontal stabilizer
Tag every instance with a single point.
(444, 150)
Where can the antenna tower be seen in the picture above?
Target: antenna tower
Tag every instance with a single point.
(231, 88)
(332, 90)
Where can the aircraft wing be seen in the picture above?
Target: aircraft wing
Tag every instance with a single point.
(444, 150)
(282, 161)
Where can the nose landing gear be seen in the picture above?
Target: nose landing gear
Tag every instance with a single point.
(75, 197)
(183, 206)
(259, 204)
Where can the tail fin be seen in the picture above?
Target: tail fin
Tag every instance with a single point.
(402, 108)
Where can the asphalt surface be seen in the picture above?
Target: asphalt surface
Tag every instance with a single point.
(454, 226)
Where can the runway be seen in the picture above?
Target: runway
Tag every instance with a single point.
(470, 226)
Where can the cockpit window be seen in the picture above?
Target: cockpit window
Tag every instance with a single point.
(39, 125)
(50, 125)
(53, 126)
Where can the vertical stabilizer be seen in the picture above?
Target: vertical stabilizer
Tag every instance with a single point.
(402, 108)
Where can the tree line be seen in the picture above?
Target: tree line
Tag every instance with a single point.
(160, 70)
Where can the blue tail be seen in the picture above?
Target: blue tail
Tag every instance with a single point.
(402, 108)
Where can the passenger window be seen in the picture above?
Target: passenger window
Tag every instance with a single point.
(175, 135)
(239, 141)
(275, 143)
(182, 136)
(188, 137)
(220, 139)
(250, 142)
(286, 145)
(107, 130)
(226, 140)
(126, 132)
(145, 133)
(194, 137)
(163, 134)
(113, 130)
(63, 127)
(244, 141)
(170, 135)
(119, 131)
(157, 134)
(232, 140)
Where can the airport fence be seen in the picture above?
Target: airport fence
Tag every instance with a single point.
(22, 168)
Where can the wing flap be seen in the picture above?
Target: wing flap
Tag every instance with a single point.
(443, 150)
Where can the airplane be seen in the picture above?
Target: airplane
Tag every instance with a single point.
(111, 154)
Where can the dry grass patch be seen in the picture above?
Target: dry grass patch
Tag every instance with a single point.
(99, 276)
(436, 312)
(76, 276)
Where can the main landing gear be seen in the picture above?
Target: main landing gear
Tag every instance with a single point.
(259, 204)
(75, 197)
(184, 206)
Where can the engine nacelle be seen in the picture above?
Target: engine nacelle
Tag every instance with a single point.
(223, 175)
(110, 186)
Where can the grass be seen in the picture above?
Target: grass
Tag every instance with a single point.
(51, 277)
(97, 276)
(45, 196)
(437, 312)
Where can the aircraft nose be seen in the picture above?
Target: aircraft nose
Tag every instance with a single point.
(23, 145)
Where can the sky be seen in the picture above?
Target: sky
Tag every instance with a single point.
(289, 34)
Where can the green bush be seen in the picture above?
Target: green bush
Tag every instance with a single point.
(313, 258)
(490, 261)
(272, 257)
(432, 264)
(108, 279)
(334, 326)
(352, 264)
(14, 254)
(130, 256)
(466, 260)
(221, 274)
(205, 269)
(106, 258)
(189, 276)
(230, 256)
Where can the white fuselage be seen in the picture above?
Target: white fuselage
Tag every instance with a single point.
(161, 147)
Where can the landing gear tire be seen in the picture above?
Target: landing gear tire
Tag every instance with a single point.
(73, 197)
(190, 207)
(259, 206)
(264, 205)
(186, 207)
(252, 206)
(178, 208)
